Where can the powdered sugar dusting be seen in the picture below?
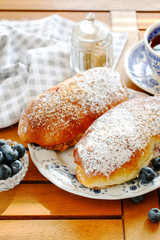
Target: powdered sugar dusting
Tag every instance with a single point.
(89, 92)
(101, 86)
(115, 136)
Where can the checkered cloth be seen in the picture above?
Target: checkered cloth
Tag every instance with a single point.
(34, 55)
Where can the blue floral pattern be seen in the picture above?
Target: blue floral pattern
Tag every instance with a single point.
(139, 71)
(154, 33)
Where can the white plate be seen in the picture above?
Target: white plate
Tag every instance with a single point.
(139, 71)
(59, 168)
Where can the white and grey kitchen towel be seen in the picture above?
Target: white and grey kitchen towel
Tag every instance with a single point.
(34, 55)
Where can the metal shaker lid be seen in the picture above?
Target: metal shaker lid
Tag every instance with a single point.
(90, 30)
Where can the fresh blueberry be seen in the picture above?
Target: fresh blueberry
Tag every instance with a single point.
(156, 163)
(138, 199)
(16, 166)
(154, 214)
(147, 174)
(1, 157)
(9, 153)
(20, 148)
(2, 142)
(5, 172)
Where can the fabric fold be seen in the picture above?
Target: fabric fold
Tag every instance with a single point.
(34, 55)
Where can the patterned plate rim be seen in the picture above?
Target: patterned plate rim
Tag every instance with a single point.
(126, 67)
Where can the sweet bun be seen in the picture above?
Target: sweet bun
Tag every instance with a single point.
(119, 143)
(59, 117)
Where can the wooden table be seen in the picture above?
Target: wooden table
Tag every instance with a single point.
(36, 208)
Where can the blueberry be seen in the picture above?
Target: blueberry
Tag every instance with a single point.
(154, 214)
(156, 163)
(147, 174)
(20, 148)
(138, 199)
(9, 153)
(5, 172)
(1, 157)
(16, 166)
(2, 142)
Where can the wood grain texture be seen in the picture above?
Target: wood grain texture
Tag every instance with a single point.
(74, 16)
(136, 222)
(145, 19)
(61, 229)
(11, 133)
(47, 200)
(141, 35)
(125, 21)
(33, 175)
(143, 5)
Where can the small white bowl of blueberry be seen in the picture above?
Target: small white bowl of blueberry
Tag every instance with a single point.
(14, 162)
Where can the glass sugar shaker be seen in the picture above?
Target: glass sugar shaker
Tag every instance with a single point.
(91, 45)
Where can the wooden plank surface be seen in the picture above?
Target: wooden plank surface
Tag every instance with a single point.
(125, 21)
(61, 229)
(145, 19)
(33, 175)
(143, 5)
(47, 200)
(11, 133)
(74, 16)
(136, 222)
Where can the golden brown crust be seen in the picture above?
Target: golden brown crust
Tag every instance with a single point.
(58, 117)
(128, 171)
(137, 136)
